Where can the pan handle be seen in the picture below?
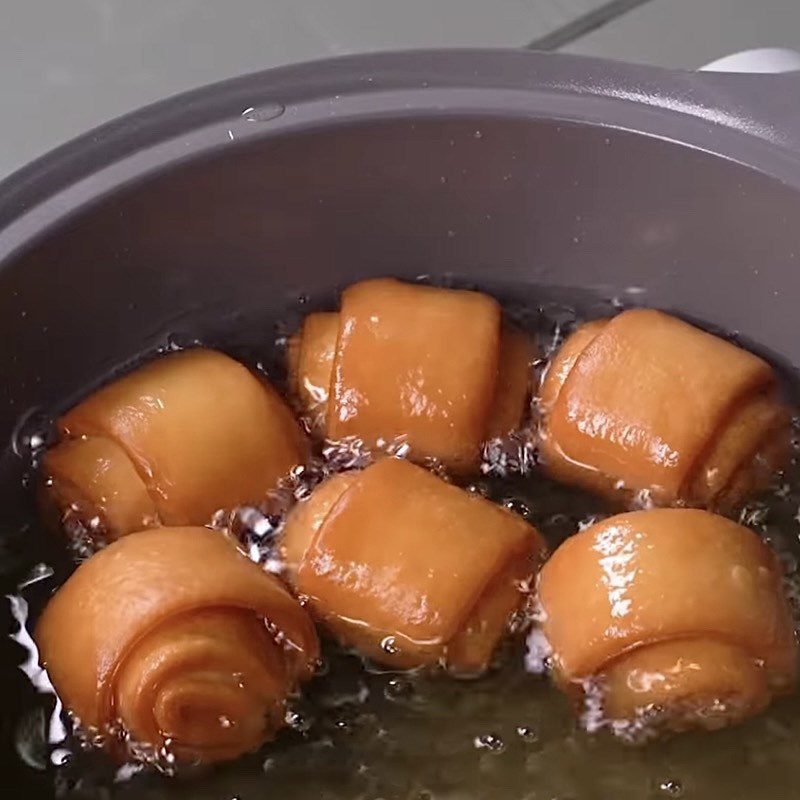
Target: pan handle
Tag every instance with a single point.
(757, 91)
(758, 60)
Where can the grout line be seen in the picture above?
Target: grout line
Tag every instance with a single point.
(584, 24)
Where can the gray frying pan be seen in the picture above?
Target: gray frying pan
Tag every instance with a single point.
(536, 176)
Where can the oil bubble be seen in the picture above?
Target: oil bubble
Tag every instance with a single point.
(398, 688)
(527, 734)
(389, 645)
(490, 742)
(32, 434)
(671, 788)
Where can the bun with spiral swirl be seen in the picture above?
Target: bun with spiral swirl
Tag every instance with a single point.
(181, 639)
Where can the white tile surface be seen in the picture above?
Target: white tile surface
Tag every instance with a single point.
(68, 65)
(690, 33)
